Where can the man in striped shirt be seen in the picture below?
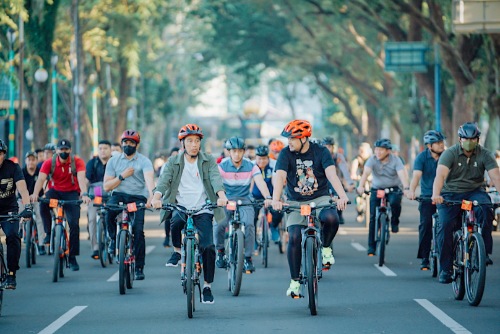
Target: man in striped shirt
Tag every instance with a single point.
(237, 174)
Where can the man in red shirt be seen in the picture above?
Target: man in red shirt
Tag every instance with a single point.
(65, 184)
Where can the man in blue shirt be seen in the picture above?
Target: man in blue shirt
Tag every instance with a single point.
(424, 171)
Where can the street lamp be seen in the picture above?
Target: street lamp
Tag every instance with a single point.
(55, 133)
(11, 37)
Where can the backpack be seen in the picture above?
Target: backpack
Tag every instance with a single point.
(53, 166)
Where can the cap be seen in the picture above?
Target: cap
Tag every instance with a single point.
(30, 154)
(64, 143)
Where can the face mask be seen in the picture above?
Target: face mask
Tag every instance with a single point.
(64, 155)
(469, 145)
(129, 150)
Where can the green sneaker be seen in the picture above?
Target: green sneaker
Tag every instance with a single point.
(294, 289)
(328, 259)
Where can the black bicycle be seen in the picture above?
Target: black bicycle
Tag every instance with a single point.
(3, 267)
(433, 254)
(29, 233)
(103, 239)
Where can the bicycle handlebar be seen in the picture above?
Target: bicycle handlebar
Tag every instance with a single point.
(290, 208)
(10, 217)
(190, 212)
(60, 201)
(139, 206)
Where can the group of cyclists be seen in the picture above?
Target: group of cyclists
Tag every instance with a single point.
(302, 172)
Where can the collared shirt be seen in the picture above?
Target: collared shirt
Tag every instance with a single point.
(63, 178)
(267, 174)
(425, 163)
(136, 183)
(237, 180)
(466, 174)
(385, 175)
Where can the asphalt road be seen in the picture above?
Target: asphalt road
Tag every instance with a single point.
(356, 296)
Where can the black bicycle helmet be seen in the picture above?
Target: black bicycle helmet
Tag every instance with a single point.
(49, 147)
(262, 151)
(328, 141)
(235, 143)
(3, 146)
(384, 143)
(433, 136)
(469, 130)
(315, 141)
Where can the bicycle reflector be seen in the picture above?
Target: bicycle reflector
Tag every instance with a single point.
(98, 200)
(131, 207)
(466, 205)
(305, 210)
(380, 193)
(231, 205)
(53, 202)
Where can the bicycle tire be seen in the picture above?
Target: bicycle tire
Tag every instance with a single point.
(311, 275)
(122, 267)
(265, 241)
(29, 242)
(189, 277)
(384, 229)
(130, 275)
(3, 275)
(57, 252)
(458, 284)
(475, 269)
(34, 240)
(236, 262)
(101, 242)
(64, 259)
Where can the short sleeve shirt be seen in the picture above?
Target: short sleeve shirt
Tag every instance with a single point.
(305, 178)
(466, 174)
(136, 183)
(10, 173)
(237, 180)
(425, 163)
(385, 175)
(31, 180)
(95, 169)
(267, 174)
(63, 178)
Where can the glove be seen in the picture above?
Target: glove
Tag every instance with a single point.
(27, 212)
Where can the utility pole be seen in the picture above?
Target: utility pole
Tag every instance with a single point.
(77, 88)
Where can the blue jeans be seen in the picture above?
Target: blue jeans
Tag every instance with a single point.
(450, 218)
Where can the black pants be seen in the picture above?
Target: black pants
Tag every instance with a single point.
(394, 198)
(427, 209)
(203, 223)
(11, 229)
(137, 227)
(72, 213)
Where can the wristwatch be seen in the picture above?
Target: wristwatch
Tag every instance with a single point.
(120, 177)
(269, 197)
(406, 188)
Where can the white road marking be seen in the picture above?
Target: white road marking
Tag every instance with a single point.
(357, 246)
(441, 316)
(386, 271)
(53, 327)
(341, 231)
(116, 275)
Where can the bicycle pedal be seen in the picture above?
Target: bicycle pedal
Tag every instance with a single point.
(325, 268)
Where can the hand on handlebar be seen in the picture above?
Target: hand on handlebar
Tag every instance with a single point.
(438, 199)
(156, 203)
(342, 203)
(410, 195)
(360, 190)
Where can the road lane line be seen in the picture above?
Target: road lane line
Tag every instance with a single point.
(357, 246)
(341, 231)
(116, 276)
(386, 271)
(53, 327)
(441, 316)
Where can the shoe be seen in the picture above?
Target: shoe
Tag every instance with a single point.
(425, 264)
(248, 266)
(112, 247)
(41, 250)
(294, 289)
(360, 218)
(445, 277)
(221, 261)
(328, 259)
(371, 251)
(10, 282)
(174, 260)
(73, 265)
(207, 298)
(341, 220)
(166, 242)
(395, 228)
(46, 240)
(95, 255)
(139, 274)
(489, 262)
(275, 234)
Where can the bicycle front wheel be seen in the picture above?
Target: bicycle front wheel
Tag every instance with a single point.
(475, 269)
(312, 275)
(58, 252)
(458, 284)
(189, 277)
(101, 242)
(122, 267)
(3, 273)
(29, 243)
(236, 262)
(265, 240)
(384, 226)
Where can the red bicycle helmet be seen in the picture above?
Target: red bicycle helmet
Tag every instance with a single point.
(188, 130)
(276, 146)
(297, 129)
(131, 135)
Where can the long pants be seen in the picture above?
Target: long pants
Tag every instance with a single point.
(92, 224)
(246, 218)
(137, 226)
(72, 213)
(450, 218)
(427, 209)
(203, 223)
(394, 198)
(11, 229)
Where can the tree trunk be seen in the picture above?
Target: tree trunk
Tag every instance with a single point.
(121, 121)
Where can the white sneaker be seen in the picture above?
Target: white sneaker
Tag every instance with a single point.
(328, 259)
(294, 289)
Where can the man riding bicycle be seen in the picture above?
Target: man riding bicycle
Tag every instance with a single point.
(66, 177)
(129, 177)
(306, 168)
(237, 174)
(388, 172)
(189, 180)
(12, 180)
(459, 176)
(424, 171)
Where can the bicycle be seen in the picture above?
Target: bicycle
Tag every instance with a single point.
(495, 198)
(103, 240)
(311, 268)
(125, 244)
(469, 255)
(433, 254)
(262, 232)
(29, 233)
(191, 259)
(59, 241)
(3, 267)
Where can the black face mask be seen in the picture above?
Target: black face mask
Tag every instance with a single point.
(129, 150)
(64, 155)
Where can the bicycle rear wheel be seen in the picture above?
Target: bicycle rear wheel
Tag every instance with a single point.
(236, 262)
(29, 242)
(384, 226)
(122, 267)
(3, 275)
(101, 242)
(57, 252)
(265, 240)
(475, 269)
(458, 284)
(189, 277)
(312, 275)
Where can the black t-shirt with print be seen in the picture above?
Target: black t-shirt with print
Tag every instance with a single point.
(10, 173)
(306, 179)
(31, 180)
